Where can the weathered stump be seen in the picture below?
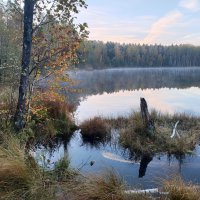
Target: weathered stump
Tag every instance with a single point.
(147, 121)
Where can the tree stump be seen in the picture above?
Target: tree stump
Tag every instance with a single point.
(147, 121)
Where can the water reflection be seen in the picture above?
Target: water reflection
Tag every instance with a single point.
(145, 170)
(145, 160)
(115, 92)
(114, 80)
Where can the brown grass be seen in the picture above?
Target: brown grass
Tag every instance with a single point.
(15, 175)
(96, 128)
(179, 190)
(21, 178)
(105, 187)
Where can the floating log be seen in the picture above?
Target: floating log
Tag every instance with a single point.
(148, 122)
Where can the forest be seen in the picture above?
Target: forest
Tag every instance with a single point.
(97, 54)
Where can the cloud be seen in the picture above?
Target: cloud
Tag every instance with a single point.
(161, 26)
(175, 26)
(192, 5)
(106, 27)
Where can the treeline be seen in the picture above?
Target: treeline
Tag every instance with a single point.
(96, 54)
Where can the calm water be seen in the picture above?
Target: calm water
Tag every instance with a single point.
(115, 92)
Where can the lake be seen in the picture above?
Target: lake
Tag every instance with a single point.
(116, 92)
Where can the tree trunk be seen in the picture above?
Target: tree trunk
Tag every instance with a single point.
(20, 114)
(148, 122)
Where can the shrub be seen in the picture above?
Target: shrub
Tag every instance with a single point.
(52, 115)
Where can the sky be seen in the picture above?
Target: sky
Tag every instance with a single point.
(143, 21)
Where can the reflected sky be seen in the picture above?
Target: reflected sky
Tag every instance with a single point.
(112, 92)
(123, 102)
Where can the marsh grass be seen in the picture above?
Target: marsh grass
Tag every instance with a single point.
(180, 190)
(21, 178)
(95, 129)
(16, 175)
(137, 139)
(105, 187)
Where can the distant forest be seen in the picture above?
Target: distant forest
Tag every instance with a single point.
(97, 55)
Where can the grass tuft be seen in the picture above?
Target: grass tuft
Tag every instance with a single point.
(95, 129)
(179, 190)
(105, 187)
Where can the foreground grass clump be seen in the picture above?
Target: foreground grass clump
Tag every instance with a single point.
(17, 174)
(21, 178)
(178, 189)
(95, 129)
(102, 187)
(137, 138)
(105, 187)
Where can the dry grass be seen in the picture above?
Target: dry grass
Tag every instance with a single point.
(95, 129)
(179, 190)
(20, 176)
(15, 175)
(106, 187)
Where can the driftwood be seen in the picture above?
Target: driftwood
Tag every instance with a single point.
(148, 122)
(175, 132)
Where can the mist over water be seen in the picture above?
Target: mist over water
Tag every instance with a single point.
(114, 92)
